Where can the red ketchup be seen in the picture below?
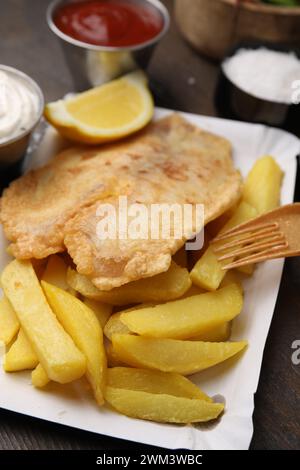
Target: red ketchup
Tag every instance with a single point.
(111, 23)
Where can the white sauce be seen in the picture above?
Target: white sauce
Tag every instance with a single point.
(264, 73)
(19, 106)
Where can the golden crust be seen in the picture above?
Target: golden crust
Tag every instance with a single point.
(171, 161)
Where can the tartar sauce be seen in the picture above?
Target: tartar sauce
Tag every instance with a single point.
(19, 106)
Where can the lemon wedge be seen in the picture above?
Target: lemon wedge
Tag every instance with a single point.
(105, 113)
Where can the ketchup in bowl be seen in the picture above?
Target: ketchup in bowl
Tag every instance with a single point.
(110, 23)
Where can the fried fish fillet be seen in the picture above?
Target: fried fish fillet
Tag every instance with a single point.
(171, 161)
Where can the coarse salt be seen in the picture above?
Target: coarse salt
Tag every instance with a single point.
(264, 73)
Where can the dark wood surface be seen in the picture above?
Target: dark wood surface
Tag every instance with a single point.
(187, 82)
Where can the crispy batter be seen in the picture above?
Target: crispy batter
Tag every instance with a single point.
(171, 161)
(36, 207)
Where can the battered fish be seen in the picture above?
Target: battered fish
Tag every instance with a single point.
(171, 161)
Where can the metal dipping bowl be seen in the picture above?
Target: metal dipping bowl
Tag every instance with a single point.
(234, 103)
(92, 65)
(13, 149)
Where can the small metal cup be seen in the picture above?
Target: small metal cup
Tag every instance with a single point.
(13, 149)
(234, 103)
(94, 65)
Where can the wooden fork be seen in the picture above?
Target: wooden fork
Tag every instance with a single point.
(275, 234)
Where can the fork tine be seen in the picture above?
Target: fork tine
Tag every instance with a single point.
(278, 251)
(247, 239)
(252, 248)
(239, 231)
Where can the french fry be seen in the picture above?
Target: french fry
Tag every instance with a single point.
(82, 325)
(161, 408)
(263, 185)
(9, 323)
(248, 269)
(39, 377)
(115, 326)
(83, 285)
(170, 355)
(101, 310)
(194, 290)
(21, 355)
(195, 255)
(112, 359)
(261, 193)
(56, 272)
(182, 319)
(219, 334)
(161, 288)
(232, 277)
(208, 272)
(54, 348)
(151, 381)
(262, 190)
(243, 213)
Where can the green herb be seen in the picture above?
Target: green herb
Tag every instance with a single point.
(284, 3)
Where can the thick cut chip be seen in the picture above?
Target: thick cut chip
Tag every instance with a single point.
(100, 309)
(112, 359)
(84, 286)
(248, 269)
(170, 162)
(170, 355)
(194, 290)
(161, 288)
(263, 185)
(182, 319)
(54, 348)
(195, 255)
(262, 190)
(82, 325)
(218, 334)
(161, 408)
(56, 272)
(232, 277)
(115, 326)
(208, 272)
(151, 381)
(39, 377)
(21, 355)
(9, 323)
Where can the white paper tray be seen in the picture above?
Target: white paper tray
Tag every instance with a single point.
(236, 380)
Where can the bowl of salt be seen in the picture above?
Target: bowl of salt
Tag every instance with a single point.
(261, 83)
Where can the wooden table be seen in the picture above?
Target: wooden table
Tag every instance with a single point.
(190, 80)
